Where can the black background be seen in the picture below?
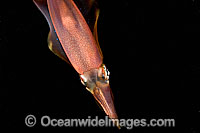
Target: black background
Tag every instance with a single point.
(151, 49)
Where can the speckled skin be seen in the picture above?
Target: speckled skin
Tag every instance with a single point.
(78, 43)
(74, 35)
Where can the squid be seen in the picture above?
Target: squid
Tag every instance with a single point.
(71, 39)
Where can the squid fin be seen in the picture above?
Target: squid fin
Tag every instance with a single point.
(53, 41)
(95, 33)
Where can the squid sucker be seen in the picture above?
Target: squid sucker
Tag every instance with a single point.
(72, 40)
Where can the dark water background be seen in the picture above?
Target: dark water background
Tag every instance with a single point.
(151, 49)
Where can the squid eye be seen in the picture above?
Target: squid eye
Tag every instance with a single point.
(106, 72)
(103, 73)
(83, 80)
